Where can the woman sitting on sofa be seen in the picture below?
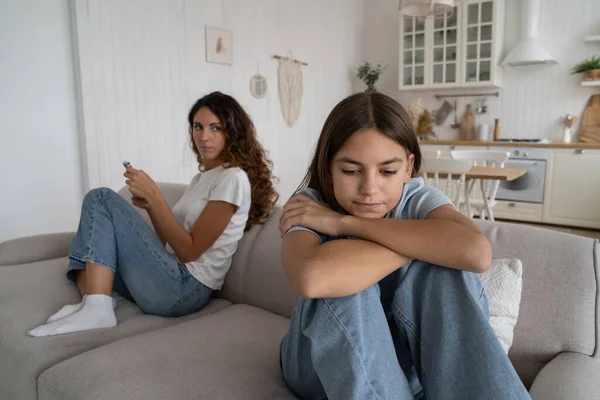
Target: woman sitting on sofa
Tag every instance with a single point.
(391, 305)
(174, 271)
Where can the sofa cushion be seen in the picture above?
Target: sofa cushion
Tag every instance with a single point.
(234, 288)
(560, 296)
(231, 354)
(256, 276)
(29, 293)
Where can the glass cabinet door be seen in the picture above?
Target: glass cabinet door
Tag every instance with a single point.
(445, 49)
(413, 52)
(478, 41)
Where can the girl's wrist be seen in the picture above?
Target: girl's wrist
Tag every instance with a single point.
(348, 225)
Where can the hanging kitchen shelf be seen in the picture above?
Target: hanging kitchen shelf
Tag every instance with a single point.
(590, 83)
(592, 39)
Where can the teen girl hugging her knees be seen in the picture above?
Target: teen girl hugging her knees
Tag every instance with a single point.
(174, 271)
(391, 305)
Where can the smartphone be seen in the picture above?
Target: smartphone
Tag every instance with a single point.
(126, 164)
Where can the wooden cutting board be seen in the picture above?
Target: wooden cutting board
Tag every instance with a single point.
(590, 121)
(467, 125)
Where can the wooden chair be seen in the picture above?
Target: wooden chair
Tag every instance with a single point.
(486, 201)
(425, 156)
(430, 154)
(452, 175)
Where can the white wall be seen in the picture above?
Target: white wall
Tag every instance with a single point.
(143, 65)
(533, 98)
(40, 177)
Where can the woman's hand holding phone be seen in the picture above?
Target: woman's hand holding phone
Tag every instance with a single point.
(143, 189)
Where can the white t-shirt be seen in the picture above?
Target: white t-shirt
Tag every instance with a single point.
(218, 184)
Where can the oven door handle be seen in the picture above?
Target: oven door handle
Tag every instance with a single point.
(523, 162)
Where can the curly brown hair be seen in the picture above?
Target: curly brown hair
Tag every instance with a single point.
(242, 149)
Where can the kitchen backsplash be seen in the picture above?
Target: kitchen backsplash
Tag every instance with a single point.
(445, 132)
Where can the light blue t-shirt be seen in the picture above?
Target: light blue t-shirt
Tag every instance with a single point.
(416, 202)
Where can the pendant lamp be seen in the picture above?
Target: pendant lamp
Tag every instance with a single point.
(426, 8)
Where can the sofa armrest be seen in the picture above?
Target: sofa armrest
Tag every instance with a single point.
(35, 248)
(571, 376)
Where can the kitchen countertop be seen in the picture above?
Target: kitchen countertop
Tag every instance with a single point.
(551, 145)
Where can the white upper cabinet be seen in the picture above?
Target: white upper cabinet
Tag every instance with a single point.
(461, 50)
(412, 53)
(443, 49)
(483, 33)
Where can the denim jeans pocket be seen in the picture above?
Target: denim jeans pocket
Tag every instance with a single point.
(184, 273)
(197, 297)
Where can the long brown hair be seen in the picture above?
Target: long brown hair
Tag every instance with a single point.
(359, 111)
(242, 149)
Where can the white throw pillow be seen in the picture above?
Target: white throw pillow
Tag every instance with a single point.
(503, 282)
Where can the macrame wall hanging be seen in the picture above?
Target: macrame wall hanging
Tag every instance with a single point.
(290, 88)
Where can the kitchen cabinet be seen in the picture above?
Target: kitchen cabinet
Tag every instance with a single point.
(572, 194)
(462, 49)
(518, 211)
(412, 52)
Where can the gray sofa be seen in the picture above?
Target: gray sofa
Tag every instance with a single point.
(230, 349)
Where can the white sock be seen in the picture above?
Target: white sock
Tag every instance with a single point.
(70, 309)
(97, 312)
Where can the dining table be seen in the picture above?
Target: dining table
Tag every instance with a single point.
(483, 174)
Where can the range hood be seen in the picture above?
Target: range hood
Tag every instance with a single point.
(529, 50)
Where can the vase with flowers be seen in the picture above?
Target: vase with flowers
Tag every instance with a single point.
(370, 74)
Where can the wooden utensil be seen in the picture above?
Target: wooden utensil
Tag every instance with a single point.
(467, 125)
(590, 121)
(496, 129)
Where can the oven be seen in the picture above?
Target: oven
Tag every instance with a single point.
(528, 188)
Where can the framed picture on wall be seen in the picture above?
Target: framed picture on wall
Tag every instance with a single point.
(219, 45)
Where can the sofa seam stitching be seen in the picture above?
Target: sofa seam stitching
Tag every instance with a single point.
(247, 261)
(49, 387)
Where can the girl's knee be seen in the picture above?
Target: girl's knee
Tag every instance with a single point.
(98, 193)
(372, 293)
(444, 275)
(429, 278)
(465, 279)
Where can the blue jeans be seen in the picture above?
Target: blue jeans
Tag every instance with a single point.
(112, 234)
(421, 332)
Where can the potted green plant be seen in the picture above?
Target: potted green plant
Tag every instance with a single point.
(369, 74)
(590, 69)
